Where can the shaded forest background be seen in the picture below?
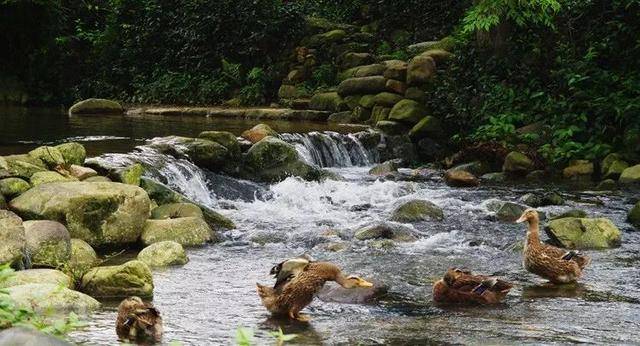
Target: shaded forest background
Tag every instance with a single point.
(568, 68)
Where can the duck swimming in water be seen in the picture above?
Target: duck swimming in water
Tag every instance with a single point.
(554, 264)
(298, 280)
(138, 322)
(459, 286)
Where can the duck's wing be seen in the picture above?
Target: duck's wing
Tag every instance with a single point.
(567, 255)
(288, 269)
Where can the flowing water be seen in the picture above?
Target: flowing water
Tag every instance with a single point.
(206, 300)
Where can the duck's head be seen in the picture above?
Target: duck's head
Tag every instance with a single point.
(529, 215)
(130, 303)
(453, 274)
(355, 282)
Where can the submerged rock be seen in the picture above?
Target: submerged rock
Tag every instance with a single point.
(391, 231)
(47, 298)
(164, 253)
(48, 243)
(132, 278)
(99, 213)
(417, 210)
(505, 211)
(12, 237)
(96, 106)
(38, 276)
(584, 233)
(188, 231)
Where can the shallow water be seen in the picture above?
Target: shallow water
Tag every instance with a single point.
(205, 301)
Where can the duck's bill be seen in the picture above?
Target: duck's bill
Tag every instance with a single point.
(521, 219)
(364, 283)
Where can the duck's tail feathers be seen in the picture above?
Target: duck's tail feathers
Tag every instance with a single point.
(264, 291)
(569, 255)
(578, 257)
(485, 285)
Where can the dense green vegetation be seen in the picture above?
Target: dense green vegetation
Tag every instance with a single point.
(570, 67)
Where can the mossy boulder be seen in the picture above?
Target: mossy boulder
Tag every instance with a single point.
(615, 169)
(38, 276)
(517, 163)
(23, 166)
(13, 187)
(187, 231)
(72, 152)
(578, 169)
(367, 101)
(362, 71)
(362, 86)
(460, 178)
(47, 177)
(98, 179)
(96, 106)
(272, 159)
(162, 254)
(352, 101)
(379, 113)
(48, 298)
(51, 156)
(330, 102)
(504, 210)
(83, 256)
(634, 215)
(208, 154)
(608, 160)
(12, 239)
(438, 55)
(48, 243)
(407, 111)
(326, 38)
(224, 138)
(395, 69)
(577, 213)
(132, 278)
(427, 127)
(630, 175)
(353, 59)
(420, 70)
(130, 174)
(391, 231)
(17, 336)
(341, 118)
(392, 128)
(287, 92)
(386, 167)
(98, 213)
(584, 233)
(416, 94)
(176, 210)
(386, 99)
(3, 202)
(258, 132)
(417, 210)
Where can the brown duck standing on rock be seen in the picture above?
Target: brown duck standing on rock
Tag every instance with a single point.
(138, 322)
(554, 264)
(461, 287)
(298, 280)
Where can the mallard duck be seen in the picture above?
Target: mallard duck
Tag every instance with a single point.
(138, 322)
(554, 264)
(303, 278)
(459, 286)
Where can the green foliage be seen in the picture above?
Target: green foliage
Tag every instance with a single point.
(12, 315)
(255, 90)
(281, 337)
(244, 337)
(385, 48)
(487, 14)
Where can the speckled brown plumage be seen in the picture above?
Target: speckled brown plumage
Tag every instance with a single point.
(138, 322)
(457, 287)
(546, 260)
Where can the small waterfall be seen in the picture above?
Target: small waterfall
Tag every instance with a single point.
(330, 149)
(179, 174)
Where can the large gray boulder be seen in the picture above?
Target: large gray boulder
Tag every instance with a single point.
(132, 278)
(98, 213)
(12, 240)
(96, 106)
(38, 276)
(47, 298)
(48, 243)
(584, 233)
(22, 336)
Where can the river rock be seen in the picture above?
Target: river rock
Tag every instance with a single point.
(395, 69)
(379, 113)
(96, 106)
(361, 114)
(428, 126)
(38, 276)
(362, 85)
(98, 179)
(615, 169)
(578, 169)
(23, 166)
(13, 187)
(272, 159)
(81, 172)
(391, 231)
(476, 168)
(417, 210)
(99, 213)
(132, 278)
(51, 156)
(12, 239)
(47, 177)
(83, 256)
(396, 86)
(460, 178)
(584, 233)
(341, 118)
(350, 60)
(224, 138)
(258, 132)
(386, 99)
(386, 167)
(176, 210)
(362, 71)
(338, 294)
(577, 213)
(188, 231)
(132, 174)
(367, 101)
(22, 336)
(392, 128)
(634, 215)
(47, 298)
(164, 253)
(414, 93)
(73, 153)
(504, 210)
(3, 202)
(330, 102)
(607, 185)
(517, 163)
(541, 200)
(407, 111)
(494, 177)
(438, 55)
(630, 175)
(48, 243)
(420, 70)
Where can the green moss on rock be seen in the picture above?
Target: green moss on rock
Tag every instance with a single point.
(38, 276)
(47, 177)
(50, 298)
(584, 233)
(407, 111)
(187, 231)
(13, 187)
(96, 106)
(517, 163)
(12, 239)
(132, 278)
(417, 210)
(73, 153)
(634, 215)
(164, 253)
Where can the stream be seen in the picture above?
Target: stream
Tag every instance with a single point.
(205, 301)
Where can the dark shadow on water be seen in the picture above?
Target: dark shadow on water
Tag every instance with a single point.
(577, 290)
(306, 333)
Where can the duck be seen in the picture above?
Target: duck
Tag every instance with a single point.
(459, 286)
(138, 321)
(559, 266)
(303, 278)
